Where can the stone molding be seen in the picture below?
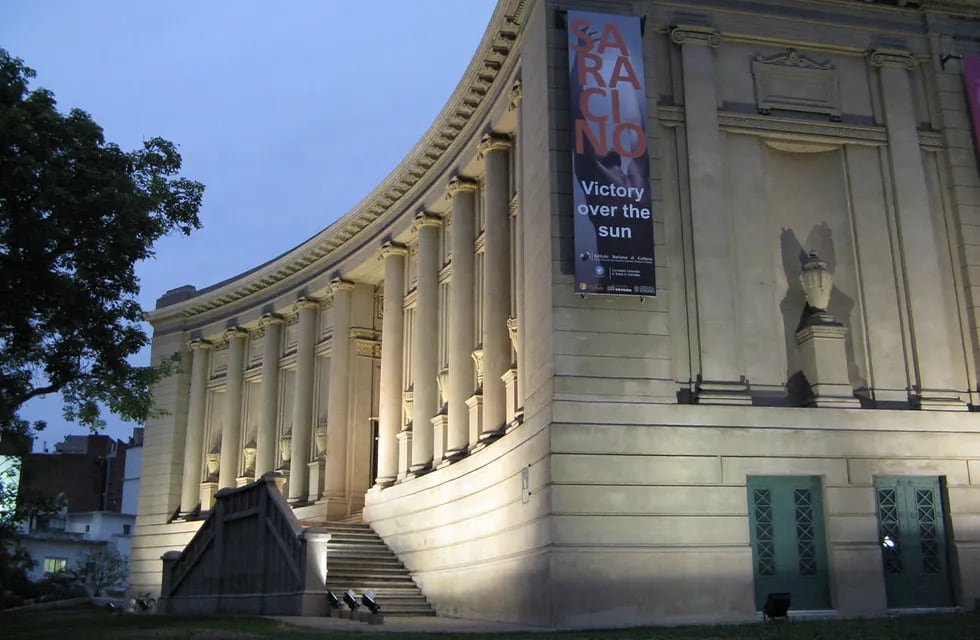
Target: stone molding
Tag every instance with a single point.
(270, 318)
(235, 333)
(199, 343)
(390, 249)
(793, 82)
(339, 284)
(694, 34)
(305, 303)
(879, 58)
(424, 219)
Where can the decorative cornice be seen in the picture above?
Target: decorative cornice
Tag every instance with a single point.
(461, 184)
(339, 284)
(879, 58)
(199, 343)
(305, 303)
(793, 59)
(693, 34)
(423, 219)
(451, 128)
(494, 142)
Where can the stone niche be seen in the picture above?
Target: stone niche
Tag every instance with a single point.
(793, 82)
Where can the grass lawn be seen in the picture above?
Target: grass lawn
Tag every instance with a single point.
(82, 624)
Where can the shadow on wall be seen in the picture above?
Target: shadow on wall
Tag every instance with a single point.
(795, 310)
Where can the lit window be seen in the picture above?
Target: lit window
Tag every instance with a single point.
(55, 565)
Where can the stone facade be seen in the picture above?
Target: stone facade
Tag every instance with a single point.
(554, 458)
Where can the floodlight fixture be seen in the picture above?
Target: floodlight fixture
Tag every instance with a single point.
(351, 599)
(369, 601)
(333, 600)
(776, 606)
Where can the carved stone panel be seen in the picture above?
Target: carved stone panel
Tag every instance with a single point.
(794, 82)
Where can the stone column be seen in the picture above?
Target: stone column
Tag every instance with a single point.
(231, 435)
(194, 439)
(463, 192)
(518, 327)
(425, 355)
(495, 150)
(935, 356)
(720, 380)
(266, 444)
(338, 397)
(392, 346)
(299, 446)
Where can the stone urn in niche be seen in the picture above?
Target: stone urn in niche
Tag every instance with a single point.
(320, 440)
(285, 444)
(214, 463)
(817, 284)
(248, 453)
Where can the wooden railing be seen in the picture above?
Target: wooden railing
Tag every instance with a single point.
(249, 556)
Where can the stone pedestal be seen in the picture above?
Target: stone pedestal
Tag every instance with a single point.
(722, 392)
(440, 429)
(316, 479)
(824, 363)
(404, 453)
(208, 489)
(241, 481)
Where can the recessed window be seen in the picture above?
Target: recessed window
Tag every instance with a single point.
(55, 565)
(127, 529)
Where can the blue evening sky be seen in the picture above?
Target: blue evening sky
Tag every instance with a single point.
(289, 112)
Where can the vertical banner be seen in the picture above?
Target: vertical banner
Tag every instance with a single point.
(610, 165)
(971, 73)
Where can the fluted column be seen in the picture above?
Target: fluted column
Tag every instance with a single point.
(231, 434)
(266, 443)
(463, 192)
(338, 396)
(719, 380)
(935, 357)
(495, 150)
(425, 354)
(194, 438)
(392, 349)
(299, 446)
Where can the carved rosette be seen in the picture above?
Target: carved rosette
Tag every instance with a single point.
(213, 464)
(320, 439)
(478, 366)
(442, 382)
(688, 34)
(248, 454)
(879, 58)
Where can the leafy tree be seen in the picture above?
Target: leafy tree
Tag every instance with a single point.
(100, 569)
(76, 214)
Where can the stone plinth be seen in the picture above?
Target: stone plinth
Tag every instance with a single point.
(824, 363)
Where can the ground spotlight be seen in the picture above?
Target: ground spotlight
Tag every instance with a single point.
(369, 601)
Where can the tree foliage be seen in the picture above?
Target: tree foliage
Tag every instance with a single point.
(101, 569)
(76, 214)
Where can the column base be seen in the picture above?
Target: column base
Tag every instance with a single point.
(475, 404)
(941, 400)
(316, 480)
(509, 379)
(417, 470)
(335, 507)
(723, 392)
(381, 483)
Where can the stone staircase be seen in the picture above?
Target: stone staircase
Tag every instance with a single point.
(358, 559)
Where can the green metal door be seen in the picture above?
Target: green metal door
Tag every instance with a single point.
(912, 536)
(789, 552)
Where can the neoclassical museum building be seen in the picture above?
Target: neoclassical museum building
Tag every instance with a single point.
(675, 306)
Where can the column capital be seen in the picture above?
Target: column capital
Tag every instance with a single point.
(306, 303)
(695, 34)
(270, 318)
(879, 58)
(235, 333)
(461, 184)
(516, 95)
(390, 249)
(423, 219)
(199, 343)
(494, 142)
(339, 284)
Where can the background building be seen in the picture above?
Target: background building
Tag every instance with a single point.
(778, 397)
